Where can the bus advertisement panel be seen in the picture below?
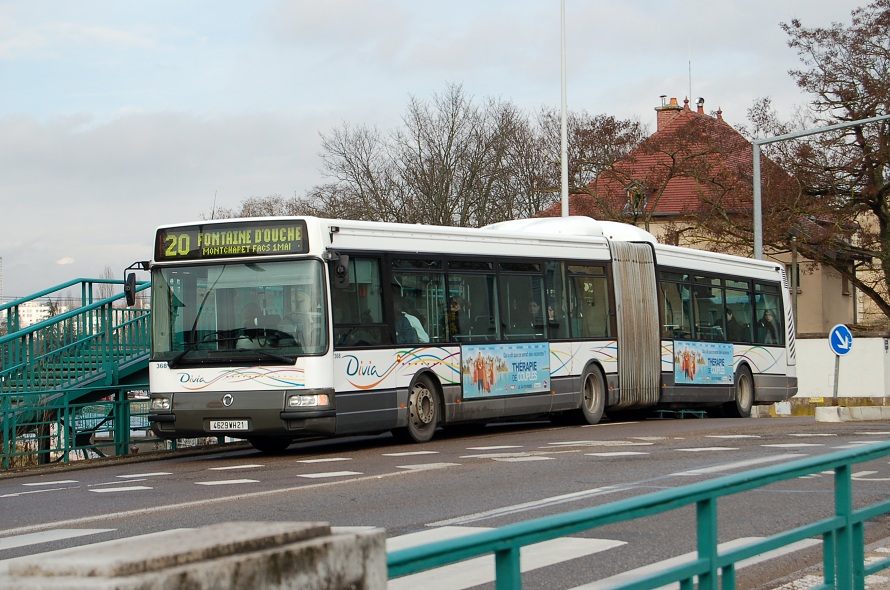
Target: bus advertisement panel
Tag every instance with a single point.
(703, 363)
(505, 369)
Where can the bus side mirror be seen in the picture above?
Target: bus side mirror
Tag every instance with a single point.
(130, 289)
(340, 271)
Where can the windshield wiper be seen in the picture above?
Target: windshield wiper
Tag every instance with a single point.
(278, 357)
(190, 347)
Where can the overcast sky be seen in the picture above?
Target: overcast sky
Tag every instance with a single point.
(119, 116)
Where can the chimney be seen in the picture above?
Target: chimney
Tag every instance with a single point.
(700, 103)
(667, 112)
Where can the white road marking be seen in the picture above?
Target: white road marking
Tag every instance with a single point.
(534, 505)
(425, 466)
(705, 449)
(52, 483)
(156, 474)
(226, 482)
(480, 570)
(636, 574)
(231, 467)
(600, 443)
(494, 448)
(111, 483)
(522, 459)
(329, 474)
(17, 494)
(732, 436)
(739, 464)
(792, 445)
(808, 434)
(327, 460)
(410, 453)
(617, 454)
(123, 489)
(47, 537)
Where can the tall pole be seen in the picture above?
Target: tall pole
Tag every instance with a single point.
(758, 216)
(564, 126)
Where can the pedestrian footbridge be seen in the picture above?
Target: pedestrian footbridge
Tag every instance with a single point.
(74, 375)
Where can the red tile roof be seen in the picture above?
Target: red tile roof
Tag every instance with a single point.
(691, 162)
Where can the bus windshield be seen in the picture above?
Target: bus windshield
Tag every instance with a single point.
(269, 312)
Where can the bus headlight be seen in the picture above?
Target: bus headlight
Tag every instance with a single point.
(308, 400)
(160, 403)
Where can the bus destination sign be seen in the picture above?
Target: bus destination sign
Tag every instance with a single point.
(231, 240)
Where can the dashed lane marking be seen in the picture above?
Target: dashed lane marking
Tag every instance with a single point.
(410, 453)
(739, 464)
(426, 466)
(121, 489)
(706, 449)
(58, 482)
(47, 537)
(326, 460)
(329, 474)
(233, 467)
(617, 454)
(226, 482)
(156, 474)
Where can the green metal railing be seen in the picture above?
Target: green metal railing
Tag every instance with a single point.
(842, 534)
(107, 426)
(52, 368)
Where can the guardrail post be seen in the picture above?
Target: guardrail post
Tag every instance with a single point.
(506, 569)
(843, 507)
(8, 429)
(121, 423)
(706, 523)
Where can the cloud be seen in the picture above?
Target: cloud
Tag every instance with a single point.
(65, 261)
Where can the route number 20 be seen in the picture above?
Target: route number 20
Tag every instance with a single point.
(177, 245)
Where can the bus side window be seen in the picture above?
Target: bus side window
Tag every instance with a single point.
(358, 309)
(769, 327)
(589, 303)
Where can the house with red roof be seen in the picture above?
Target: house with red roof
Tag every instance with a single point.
(690, 184)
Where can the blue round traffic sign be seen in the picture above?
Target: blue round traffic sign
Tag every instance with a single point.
(840, 339)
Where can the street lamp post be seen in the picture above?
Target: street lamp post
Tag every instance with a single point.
(758, 210)
(564, 133)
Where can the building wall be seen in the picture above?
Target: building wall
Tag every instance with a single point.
(863, 372)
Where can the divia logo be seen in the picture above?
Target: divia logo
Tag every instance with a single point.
(189, 378)
(359, 368)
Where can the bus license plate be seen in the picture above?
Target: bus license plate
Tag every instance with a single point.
(228, 425)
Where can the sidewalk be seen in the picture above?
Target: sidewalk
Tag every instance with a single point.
(812, 577)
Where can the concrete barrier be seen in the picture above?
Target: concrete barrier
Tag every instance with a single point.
(227, 556)
(852, 413)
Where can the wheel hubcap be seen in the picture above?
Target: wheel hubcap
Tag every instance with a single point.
(423, 406)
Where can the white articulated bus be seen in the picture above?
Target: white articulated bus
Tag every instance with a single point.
(274, 329)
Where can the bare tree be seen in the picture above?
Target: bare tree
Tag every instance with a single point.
(453, 161)
(106, 290)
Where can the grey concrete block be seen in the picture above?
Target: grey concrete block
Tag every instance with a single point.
(228, 556)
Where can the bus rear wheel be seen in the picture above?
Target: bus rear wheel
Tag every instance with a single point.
(744, 395)
(271, 445)
(593, 396)
(423, 412)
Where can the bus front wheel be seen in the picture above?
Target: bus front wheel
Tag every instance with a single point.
(593, 396)
(744, 395)
(423, 412)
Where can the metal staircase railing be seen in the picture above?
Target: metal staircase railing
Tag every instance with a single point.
(68, 359)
